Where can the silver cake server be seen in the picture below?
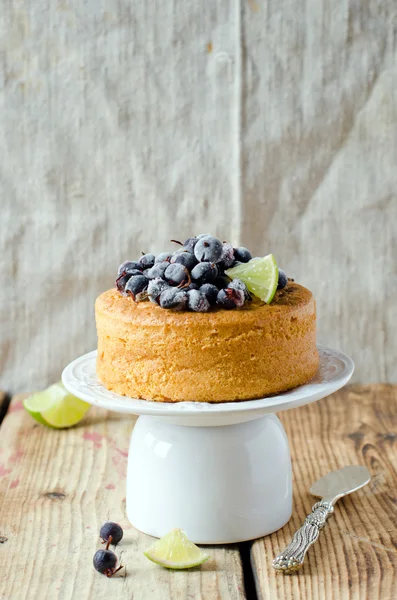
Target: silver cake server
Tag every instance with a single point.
(330, 488)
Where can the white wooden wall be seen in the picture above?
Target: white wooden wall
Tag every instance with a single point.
(127, 123)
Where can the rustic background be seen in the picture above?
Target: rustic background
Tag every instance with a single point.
(126, 123)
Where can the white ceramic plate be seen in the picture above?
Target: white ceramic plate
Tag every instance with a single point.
(335, 370)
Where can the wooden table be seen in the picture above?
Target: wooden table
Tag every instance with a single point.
(57, 487)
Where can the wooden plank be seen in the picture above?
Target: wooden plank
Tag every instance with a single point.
(56, 489)
(356, 555)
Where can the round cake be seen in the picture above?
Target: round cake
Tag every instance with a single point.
(257, 350)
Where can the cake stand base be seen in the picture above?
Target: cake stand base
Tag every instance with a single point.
(220, 471)
(220, 484)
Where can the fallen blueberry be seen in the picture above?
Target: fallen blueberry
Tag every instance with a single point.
(111, 530)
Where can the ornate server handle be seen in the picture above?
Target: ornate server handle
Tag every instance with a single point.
(291, 559)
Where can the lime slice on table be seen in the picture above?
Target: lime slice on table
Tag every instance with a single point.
(176, 551)
(55, 407)
(260, 275)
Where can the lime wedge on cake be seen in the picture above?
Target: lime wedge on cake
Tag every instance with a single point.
(176, 551)
(260, 275)
(56, 407)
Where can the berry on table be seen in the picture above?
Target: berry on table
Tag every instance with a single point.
(197, 301)
(136, 286)
(105, 562)
(204, 272)
(208, 249)
(282, 279)
(177, 274)
(242, 254)
(112, 531)
(210, 291)
(155, 287)
(147, 261)
(230, 298)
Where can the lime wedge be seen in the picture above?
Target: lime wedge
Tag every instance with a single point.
(55, 407)
(176, 551)
(260, 275)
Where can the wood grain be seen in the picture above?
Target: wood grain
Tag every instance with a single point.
(271, 124)
(356, 555)
(56, 489)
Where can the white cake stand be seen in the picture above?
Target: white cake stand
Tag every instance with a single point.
(221, 472)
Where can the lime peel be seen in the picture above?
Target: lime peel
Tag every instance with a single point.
(56, 407)
(176, 551)
(260, 275)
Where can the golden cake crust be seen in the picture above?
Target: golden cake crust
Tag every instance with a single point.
(148, 352)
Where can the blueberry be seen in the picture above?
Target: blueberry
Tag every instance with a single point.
(282, 279)
(227, 258)
(197, 301)
(177, 274)
(242, 254)
(155, 287)
(136, 286)
(192, 286)
(113, 530)
(128, 266)
(164, 256)
(147, 261)
(204, 272)
(189, 244)
(222, 281)
(230, 298)
(208, 249)
(237, 284)
(173, 298)
(121, 282)
(210, 291)
(105, 562)
(187, 259)
(157, 270)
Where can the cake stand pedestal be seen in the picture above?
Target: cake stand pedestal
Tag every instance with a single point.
(221, 472)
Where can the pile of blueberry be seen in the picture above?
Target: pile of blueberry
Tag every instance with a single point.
(191, 278)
